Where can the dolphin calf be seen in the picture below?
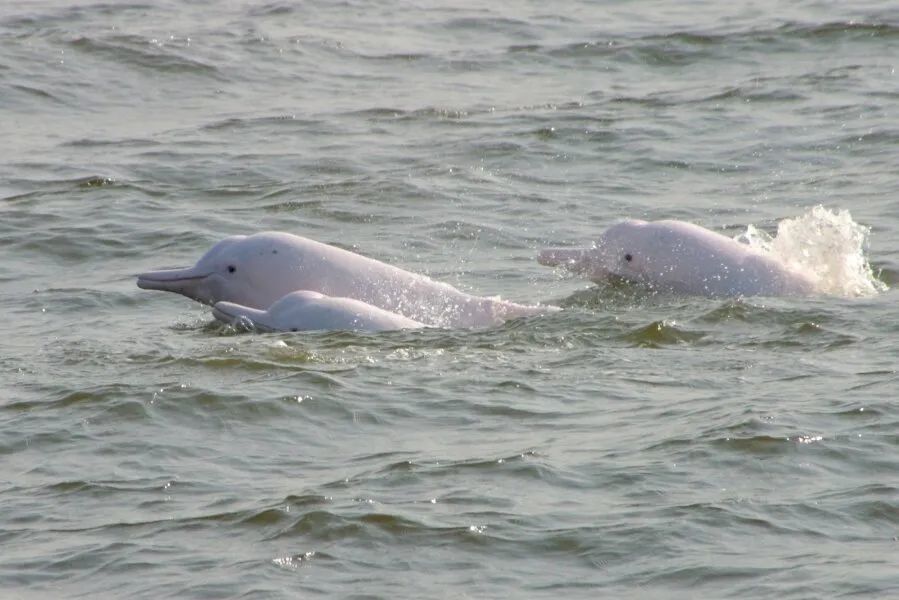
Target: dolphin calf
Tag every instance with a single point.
(257, 270)
(311, 311)
(682, 258)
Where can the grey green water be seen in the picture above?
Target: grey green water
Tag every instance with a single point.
(630, 446)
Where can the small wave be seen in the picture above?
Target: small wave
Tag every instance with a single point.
(492, 24)
(680, 48)
(516, 48)
(661, 333)
(73, 14)
(440, 113)
(76, 244)
(840, 29)
(377, 113)
(752, 94)
(469, 231)
(327, 526)
(37, 92)
(527, 464)
(296, 561)
(276, 9)
(136, 50)
(239, 123)
(732, 310)
(63, 186)
(886, 137)
(396, 57)
(825, 245)
(113, 397)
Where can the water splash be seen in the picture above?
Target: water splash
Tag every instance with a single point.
(825, 245)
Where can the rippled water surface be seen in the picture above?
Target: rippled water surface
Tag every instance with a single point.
(631, 446)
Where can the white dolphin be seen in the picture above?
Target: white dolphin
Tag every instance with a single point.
(682, 258)
(257, 270)
(311, 311)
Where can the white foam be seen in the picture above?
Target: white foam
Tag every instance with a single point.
(827, 246)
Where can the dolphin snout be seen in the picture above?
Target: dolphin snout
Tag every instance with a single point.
(222, 313)
(167, 279)
(230, 313)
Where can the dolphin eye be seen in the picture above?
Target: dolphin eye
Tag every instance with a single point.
(231, 268)
(628, 257)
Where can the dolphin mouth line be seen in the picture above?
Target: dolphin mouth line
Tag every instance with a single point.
(170, 279)
(170, 282)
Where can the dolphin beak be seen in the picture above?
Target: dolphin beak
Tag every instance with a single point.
(185, 281)
(169, 280)
(565, 257)
(230, 313)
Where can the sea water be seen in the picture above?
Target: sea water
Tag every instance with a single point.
(633, 445)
